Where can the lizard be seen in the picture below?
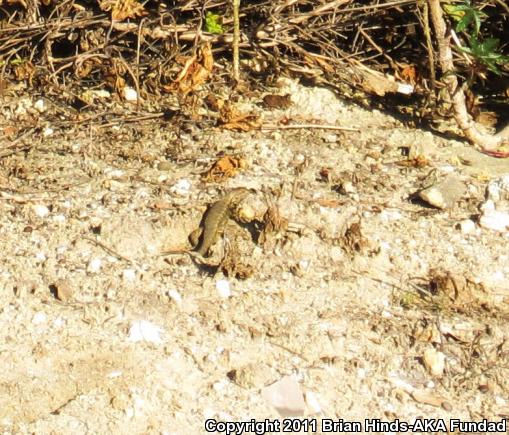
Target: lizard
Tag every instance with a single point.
(214, 222)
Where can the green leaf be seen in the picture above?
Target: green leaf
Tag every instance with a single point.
(213, 23)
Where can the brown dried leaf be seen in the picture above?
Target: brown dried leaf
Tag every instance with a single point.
(225, 167)
(24, 71)
(231, 119)
(196, 70)
(122, 9)
(409, 74)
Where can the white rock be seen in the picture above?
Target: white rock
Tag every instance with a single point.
(175, 296)
(223, 288)
(488, 205)
(181, 187)
(58, 322)
(48, 131)
(390, 215)
(347, 188)
(40, 106)
(162, 178)
(113, 172)
(143, 330)
(39, 317)
(434, 361)
(129, 275)
(286, 396)
(130, 94)
(467, 226)
(40, 257)
(59, 218)
(312, 403)
(330, 138)
(94, 265)
(41, 210)
(405, 88)
(494, 220)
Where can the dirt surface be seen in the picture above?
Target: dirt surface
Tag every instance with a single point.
(368, 302)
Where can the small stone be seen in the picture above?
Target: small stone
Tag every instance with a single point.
(63, 290)
(130, 94)
(41, 210)
(143, 330)
(39, 318)
(330, 138)
(48, 131)
(40, 257)
(175, 296)
(223, 288)
(129, 275)
(181, 187)
(40, 106)
(312, 403)
(445, 194)
(494, 220)
(434, 197)
(94, 265)
(488, 205)
(434, 361)
(347, 188)
(286, 396)
(466, 226)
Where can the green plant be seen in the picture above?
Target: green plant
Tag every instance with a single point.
(468, 19)
(213, 23)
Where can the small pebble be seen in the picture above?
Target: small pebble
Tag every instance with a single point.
(41, 210)
(94, 265)
(63, 290)
(40, 106)
(466, 226)
(494, 220)
(312, 403)
(434, 361)
(175, 296)
(223, 288)
(130, 94)
(39, 317)
(181, 187)
(129, 275)
(143, 330)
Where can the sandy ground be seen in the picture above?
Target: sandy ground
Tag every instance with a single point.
(364, 303)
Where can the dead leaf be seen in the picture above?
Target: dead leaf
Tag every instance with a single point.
(196, 71)
(24, 71)
(225, 167)
(122, 9)
(231, 119)
(409, 74)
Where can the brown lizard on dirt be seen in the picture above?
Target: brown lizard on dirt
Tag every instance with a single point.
(214, 222)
